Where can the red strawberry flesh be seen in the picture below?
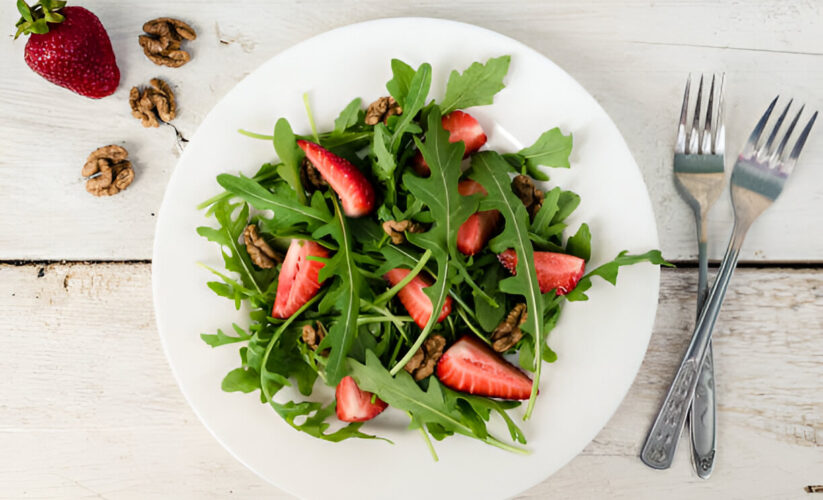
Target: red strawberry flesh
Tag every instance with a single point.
(471, 366)
(554, 270)
(461, 127)
(476, 231)
(75, 54)
(416, 302)
(355, 405)
(298, 280)
(355, 191)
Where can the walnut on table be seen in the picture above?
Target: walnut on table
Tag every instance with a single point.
(381, 109)
(424, 361)
(153, 103)
(108, 170)
(163, 39)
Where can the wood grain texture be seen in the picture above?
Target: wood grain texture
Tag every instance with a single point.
(632, 55)
(89, 408)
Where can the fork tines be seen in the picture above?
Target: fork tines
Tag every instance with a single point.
(710, 139)
(766, 151)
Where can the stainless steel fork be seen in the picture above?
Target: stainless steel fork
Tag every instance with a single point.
(757, 180)
(699, 177)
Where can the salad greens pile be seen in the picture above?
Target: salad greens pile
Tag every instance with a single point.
(369, 335)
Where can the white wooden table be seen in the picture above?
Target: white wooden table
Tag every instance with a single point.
(88, 406)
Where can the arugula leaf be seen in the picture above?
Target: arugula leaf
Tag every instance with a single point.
(551, 149)
(228, 236)
(428, 407)
(476, 86)
(344, 294)
(222, 339)
(489, 169)
(399, 85)
(285, 145)
(566, 204)
(609, 270)
(449, 210)
(489, 316)
(316, 425)
(580, 245)
(241, 380)
(412, 104)
(348, 117)
(384, 165)
(287, 212)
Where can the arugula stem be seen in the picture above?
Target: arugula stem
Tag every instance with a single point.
(255, 135)
(391, 292)
(225, 194)
(311, 117)
(462, 304)
(388, 314)
(471, 326)
(395, 352)
(275, 337)
(367, 320)
(504, 446)
(425, 436)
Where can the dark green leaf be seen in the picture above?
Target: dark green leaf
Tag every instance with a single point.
(580, 245)
(348, 117)
(242, 380)
(315, 423)
(609, 270)
(285, 145)
(414, 102)
(476, 86)
(399, 85)
(221, 338)
(552, 149)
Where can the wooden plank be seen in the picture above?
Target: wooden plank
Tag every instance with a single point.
(631, 55)
(89, 407)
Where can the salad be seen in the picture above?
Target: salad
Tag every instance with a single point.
(402, 263)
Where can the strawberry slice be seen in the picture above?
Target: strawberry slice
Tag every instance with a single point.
(355, 191)
(471, 366)
(298, 281)
(462, 127)
(476, 231)
(554, 270)
(416, 302)
(354, 405)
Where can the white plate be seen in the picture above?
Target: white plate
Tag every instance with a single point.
(600, 342)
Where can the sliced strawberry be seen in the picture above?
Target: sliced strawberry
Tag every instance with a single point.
(554, 270)
(355, 191)
(462, 127)
(471, 366)
(416, 302)
(298, 281)
(476, 231)
(354, 405)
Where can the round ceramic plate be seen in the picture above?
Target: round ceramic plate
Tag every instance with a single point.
(600, 343)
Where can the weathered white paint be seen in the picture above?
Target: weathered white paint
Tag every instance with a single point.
(89, 409)
(632, 55)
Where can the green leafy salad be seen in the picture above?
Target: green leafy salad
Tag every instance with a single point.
(346, 246)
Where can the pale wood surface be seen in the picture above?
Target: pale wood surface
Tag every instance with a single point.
(89, 408)
(632, 55)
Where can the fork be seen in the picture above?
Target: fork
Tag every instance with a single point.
(759, 175)
(699, 177)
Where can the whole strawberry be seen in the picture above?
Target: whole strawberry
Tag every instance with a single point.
(69, 47)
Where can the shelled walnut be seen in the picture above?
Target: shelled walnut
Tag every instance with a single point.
(508, 332)
(108, 171)
(163, 40)
(260, 252)
(523, 186)
(381, 109)
(153, 103)
(397, 229)
(424, 361)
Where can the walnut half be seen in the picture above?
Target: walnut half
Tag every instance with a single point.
(422, 364)
(397, 229)
(162, 41)
(152, 103)
(260, 252)
(523, 186)
(313, 336)
(108, 170)
(381, 109)
(508, 332)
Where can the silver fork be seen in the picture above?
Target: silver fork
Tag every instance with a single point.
(757, 180)
(699, 177)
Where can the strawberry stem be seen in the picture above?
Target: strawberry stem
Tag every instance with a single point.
(35, 20)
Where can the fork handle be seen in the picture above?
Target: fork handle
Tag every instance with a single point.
(703, 410)
(661, 442)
